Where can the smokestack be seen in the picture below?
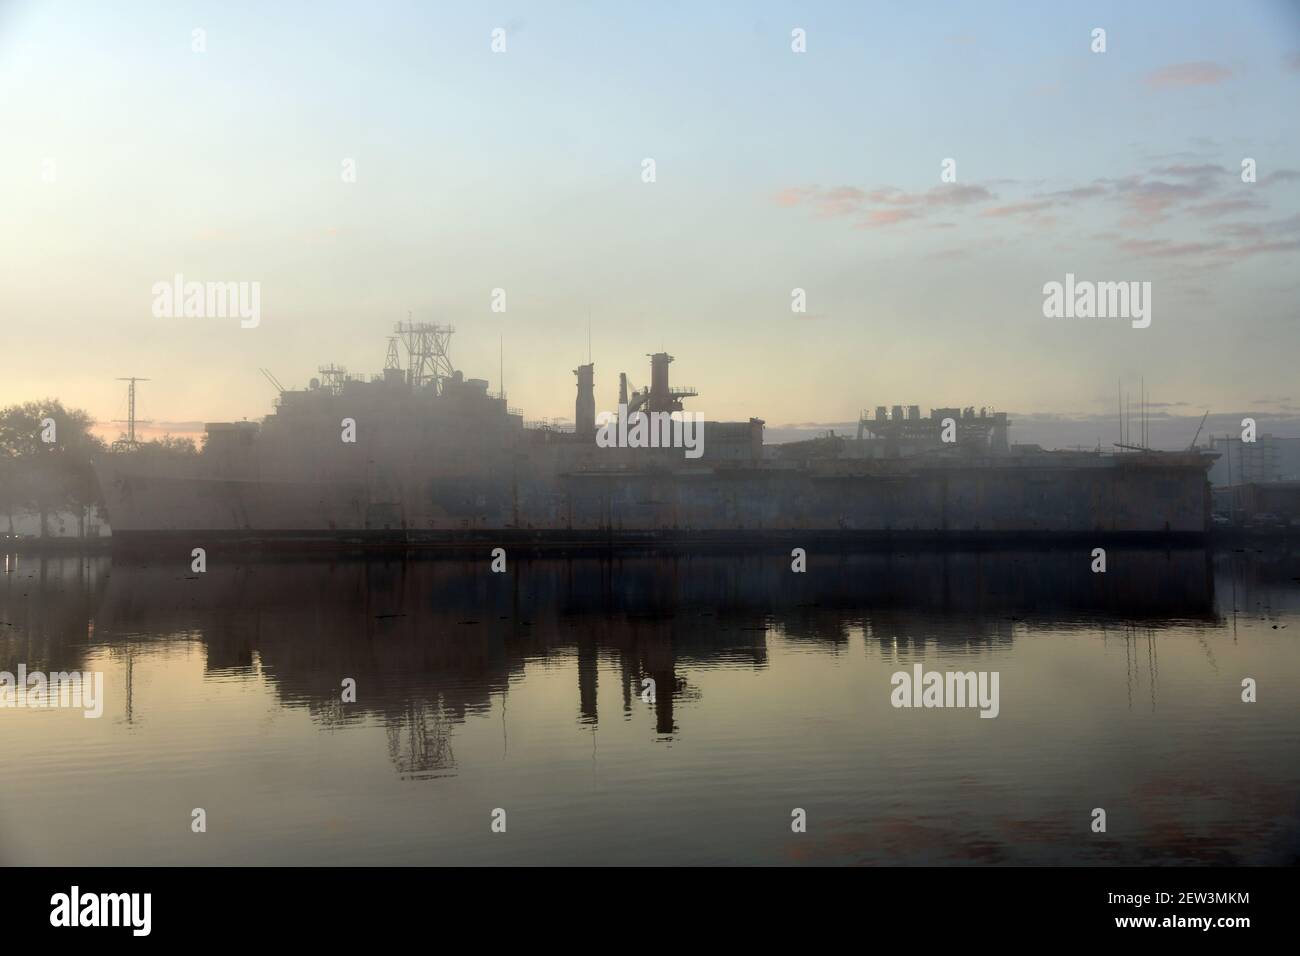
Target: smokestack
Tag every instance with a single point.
(998, 442)
(584, 408)
(660, 399)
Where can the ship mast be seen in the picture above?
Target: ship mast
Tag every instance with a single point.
(428, 360)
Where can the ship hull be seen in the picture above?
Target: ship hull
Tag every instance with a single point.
(722, 507)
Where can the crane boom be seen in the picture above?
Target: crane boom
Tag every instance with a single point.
(275, 382)
(1198, 430)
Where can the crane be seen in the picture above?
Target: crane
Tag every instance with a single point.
(275, 382)
(1192, 446)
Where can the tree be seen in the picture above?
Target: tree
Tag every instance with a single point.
(46, 476)
(172, 446)
(9, 496)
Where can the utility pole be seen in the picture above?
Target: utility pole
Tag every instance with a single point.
(129, 443)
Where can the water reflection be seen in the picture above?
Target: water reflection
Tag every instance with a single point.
(436, 645)
(394, 626)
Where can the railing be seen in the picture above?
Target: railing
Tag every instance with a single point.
(549, 425)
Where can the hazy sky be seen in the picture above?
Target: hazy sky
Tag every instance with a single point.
(775, 170)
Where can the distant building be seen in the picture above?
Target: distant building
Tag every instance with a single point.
(1243, 462)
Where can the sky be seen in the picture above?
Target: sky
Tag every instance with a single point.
(131, 156)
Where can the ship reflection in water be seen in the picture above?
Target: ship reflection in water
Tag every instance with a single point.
(528, 691)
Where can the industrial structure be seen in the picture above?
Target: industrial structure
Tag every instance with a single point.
(433, 458)
(982, 434)
(130, 442)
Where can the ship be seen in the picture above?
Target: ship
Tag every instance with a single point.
(419, 456)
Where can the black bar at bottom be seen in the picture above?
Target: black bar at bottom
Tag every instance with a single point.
(331, 905)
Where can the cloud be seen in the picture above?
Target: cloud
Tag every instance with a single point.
(1017, 209)
(948, 194)
(840, 201)
(1182, 75)
(883, 206)
(952, 194)
(893, 195)
(1291, 62)
(888, 217)
(1217, 220)
(791, 196)
(1151, 200)
(1167, 248)
(836, 201)
(1225, 207)
(1077, 193)
(1191, 172)
(1274, 229)
(1280, 176)
(1259, 238)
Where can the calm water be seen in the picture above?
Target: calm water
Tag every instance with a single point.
(522, 691)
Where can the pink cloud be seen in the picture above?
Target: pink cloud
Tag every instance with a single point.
(791, 196)
(840, 201)
(953, 194)
(1165, 248)
(1191, 172)
(1151, 201)
(1181, 75)
(899, 206)
(1208, 194)
(888, 217)
(1016, 209)
(1078, 192)
(1262, 230)
(1225, 207)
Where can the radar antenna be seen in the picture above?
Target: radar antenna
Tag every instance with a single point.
(427, 358)
(332, 377)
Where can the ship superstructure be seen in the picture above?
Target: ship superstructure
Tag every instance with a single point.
(423, 455)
